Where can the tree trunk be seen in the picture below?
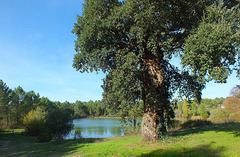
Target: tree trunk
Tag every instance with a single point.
(153, 124)
(17, 115)
(149, 127)
(7, 115)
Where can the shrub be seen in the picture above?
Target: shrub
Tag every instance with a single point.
(219, 115)
(205, 115)
(195, 123)
(203, 111)
(174, 125)
(235, 116)
(59, 123)
(46, 126)
(45, 135)
(33, 122)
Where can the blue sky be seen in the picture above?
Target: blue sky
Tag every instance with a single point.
(37, 49)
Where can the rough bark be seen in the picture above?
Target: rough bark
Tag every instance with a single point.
(153, 98)
(149, 127)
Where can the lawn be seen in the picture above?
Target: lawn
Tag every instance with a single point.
(215, 140)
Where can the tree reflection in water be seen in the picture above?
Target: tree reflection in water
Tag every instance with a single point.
(95, 128)
(77, 133)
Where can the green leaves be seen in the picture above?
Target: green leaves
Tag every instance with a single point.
(211, 50)
(122, 86)
(134, 41)
(97, 38)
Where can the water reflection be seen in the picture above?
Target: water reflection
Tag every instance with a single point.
(77, 133)
(95, 128)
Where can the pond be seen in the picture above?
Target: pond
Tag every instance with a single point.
(95, 128)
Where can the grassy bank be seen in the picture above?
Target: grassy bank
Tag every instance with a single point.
(214, 140)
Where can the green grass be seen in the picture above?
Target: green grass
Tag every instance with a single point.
(215, 140)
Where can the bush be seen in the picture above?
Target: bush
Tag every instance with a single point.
(59, 123)
(203, 111)
(45, 134)
(34, 121)
(174, 125)
(205, 115)
(219, 115)
(195, 123)
(46, 126)
(235, 116)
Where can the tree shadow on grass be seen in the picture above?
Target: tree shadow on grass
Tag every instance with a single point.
(232, 128)
(17, 144)
(200, 151)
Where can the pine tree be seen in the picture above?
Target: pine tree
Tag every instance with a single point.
(4, 105)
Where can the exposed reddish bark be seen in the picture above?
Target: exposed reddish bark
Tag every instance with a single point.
(152, 94)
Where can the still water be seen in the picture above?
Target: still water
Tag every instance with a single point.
(95, 128)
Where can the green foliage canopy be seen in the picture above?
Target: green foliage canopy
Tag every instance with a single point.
(211, 50)
(134, 41)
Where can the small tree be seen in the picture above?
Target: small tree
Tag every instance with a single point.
(194, 108)
(203, 111)
(4, 105)
(17, 103)
(235, 92)
(186, 109)
(232, 103)
(59, 123)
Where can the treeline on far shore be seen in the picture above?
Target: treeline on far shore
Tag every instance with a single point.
(15, 104)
